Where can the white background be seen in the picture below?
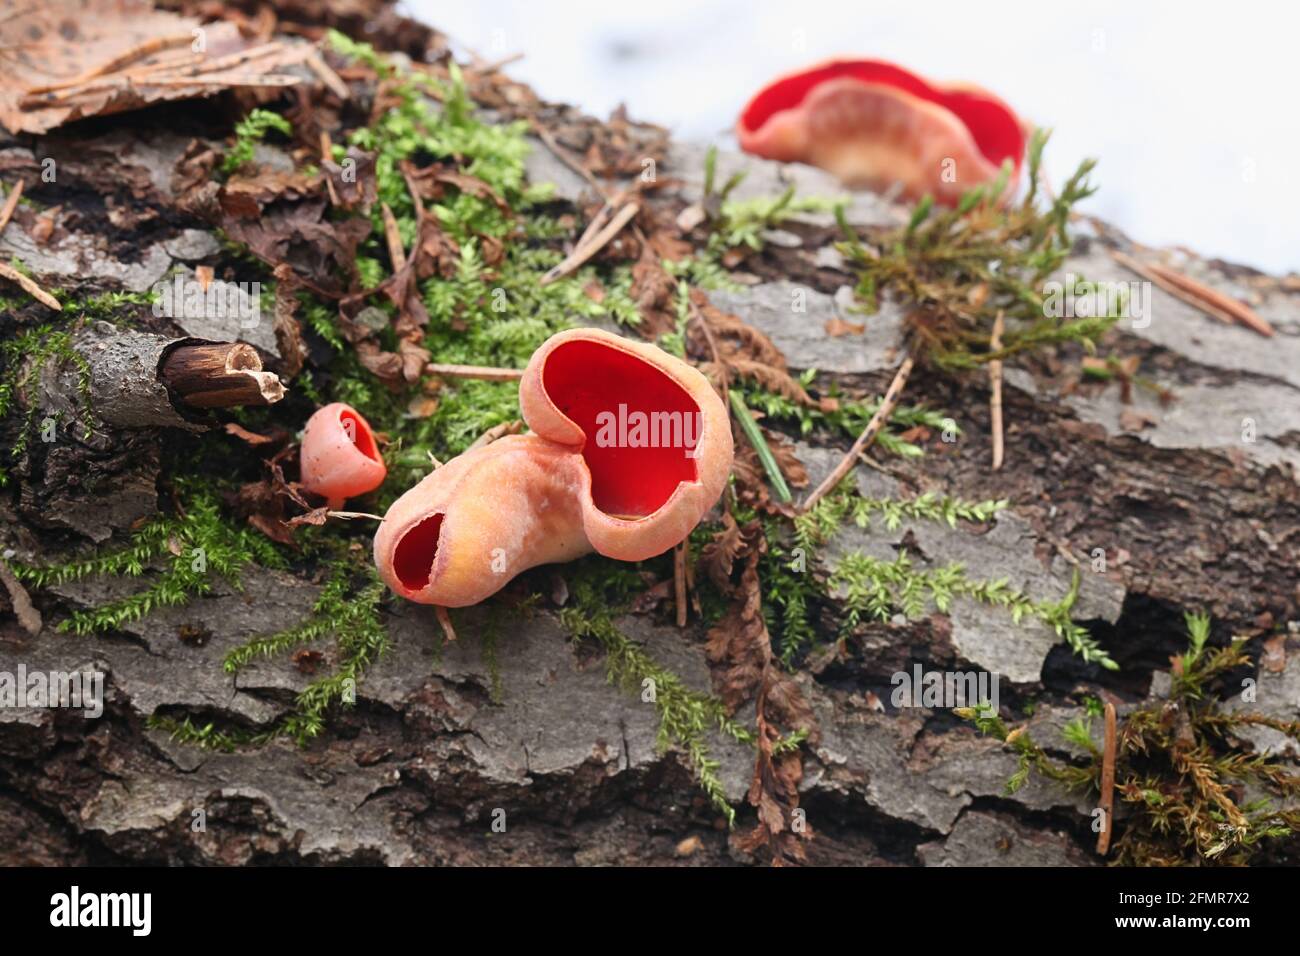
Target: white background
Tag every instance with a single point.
(1193, 108)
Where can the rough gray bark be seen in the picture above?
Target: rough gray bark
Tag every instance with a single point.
(1188, 514)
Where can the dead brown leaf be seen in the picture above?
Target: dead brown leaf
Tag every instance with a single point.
(837, 327)
(69, 59)
(1134, 420)
(253, 438)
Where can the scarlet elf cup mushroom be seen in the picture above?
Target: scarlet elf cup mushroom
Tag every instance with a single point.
(873, 124)
(629, 448)
(339, 458)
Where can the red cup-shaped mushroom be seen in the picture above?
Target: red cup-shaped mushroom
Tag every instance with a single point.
(874, 124)
(654, 438)
(630, 447)
(339, 458)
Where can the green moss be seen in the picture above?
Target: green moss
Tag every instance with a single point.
(110, 306)
(850, 417)
(348, 609)
(685, 716)
(206, 736)
(942, 258)
(250, 131)
(844, 503)
(193, 546)
(25, 358)
(868, 588)
(361, 639)
(1179, 768)
(742, 222)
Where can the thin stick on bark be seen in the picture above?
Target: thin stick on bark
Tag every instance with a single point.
(878, 421)
(494, 65)
(486, 373)
(34, 102)
(139, 52)
(219, 375)
(495, 432)
(393, 236)
(444, 619)
(29, 286)
(1241, 312)
(698, 315)
(230, 60)
(326, 75)
(11, 203)
(223, 79)
(1210, 301)
(565, 157)
(995, 386)
(597, 223)
(1107, 783)
(679, 581)
(327, 155)
(581, 254)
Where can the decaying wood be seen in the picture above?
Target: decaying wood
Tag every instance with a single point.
(219, 375)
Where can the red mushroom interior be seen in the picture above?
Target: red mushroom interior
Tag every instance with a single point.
(637, 472)
(414, 554)
(995, 129)
(360, 433)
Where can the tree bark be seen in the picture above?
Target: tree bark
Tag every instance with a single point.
(524, 727)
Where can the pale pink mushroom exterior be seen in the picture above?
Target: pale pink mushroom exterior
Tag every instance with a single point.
(338, 461)
(463, 532)
(873, 134)
(506, 507)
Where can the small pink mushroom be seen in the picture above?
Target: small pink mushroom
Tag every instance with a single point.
(630, 448)
(339, 458)
(873, 124)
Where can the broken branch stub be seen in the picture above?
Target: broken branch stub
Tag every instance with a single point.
(218, 375)
(129, 379)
